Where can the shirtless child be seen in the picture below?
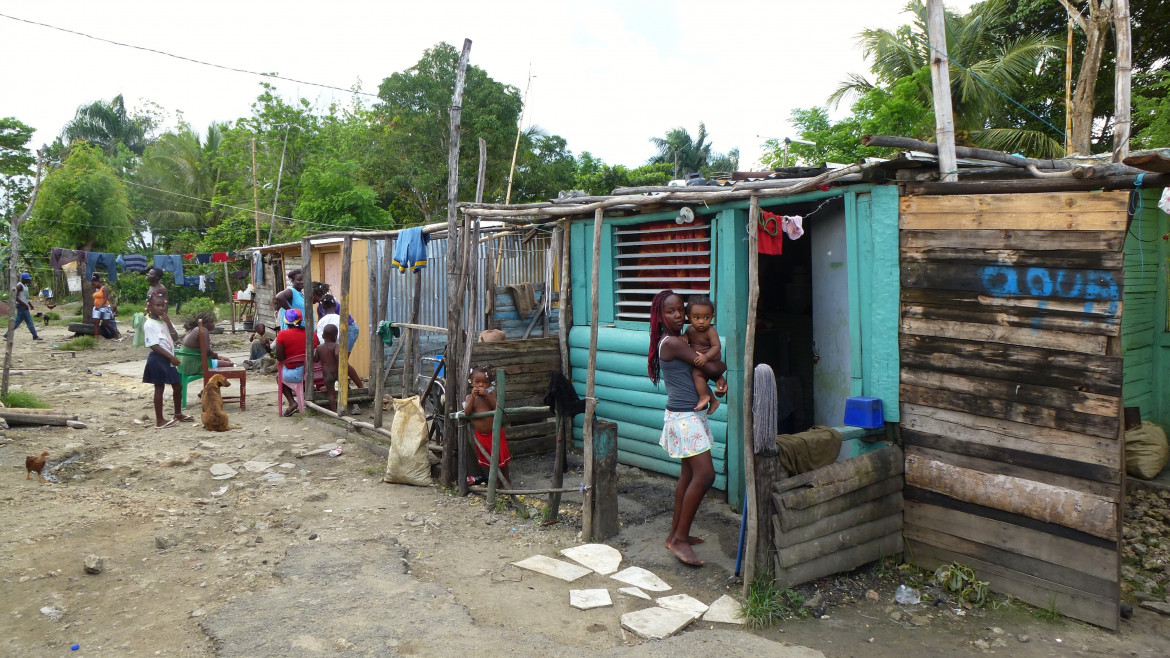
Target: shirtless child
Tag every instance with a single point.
(481, 400)
(702, 338)
(328, 355)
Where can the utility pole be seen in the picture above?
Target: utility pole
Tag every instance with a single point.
(255, 193)
(940, 80)
(279, 174)
(1121, 90)
(14, 266)
(519, 131)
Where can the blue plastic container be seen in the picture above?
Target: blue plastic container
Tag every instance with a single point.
(441, 369)
(864, 412)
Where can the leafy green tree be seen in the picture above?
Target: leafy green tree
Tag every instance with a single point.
(722, 163)
(330, 196)
(596, 178)
(182, 171)
(410, 154)
(1151, 116)
(82, 205)
(236, 231)
(544, 167)
(686, 154)
(15, 164)
(106, 124)
(983, 60)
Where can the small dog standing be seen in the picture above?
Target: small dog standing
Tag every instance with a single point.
(214, 418)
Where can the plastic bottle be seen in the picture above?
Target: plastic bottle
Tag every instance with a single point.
(907, 595)
(336, 452)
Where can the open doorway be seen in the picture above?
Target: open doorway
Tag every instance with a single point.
(802, 321)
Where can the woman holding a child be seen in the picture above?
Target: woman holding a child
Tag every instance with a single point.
(686, 434)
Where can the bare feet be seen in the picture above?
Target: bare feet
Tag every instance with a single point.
(704, 401)
(682, 550)
(690, 540)
(714, 405)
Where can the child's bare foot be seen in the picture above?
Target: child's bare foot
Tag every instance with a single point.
(704, 401)
(682, 550)
(714, 405)
(690, 540)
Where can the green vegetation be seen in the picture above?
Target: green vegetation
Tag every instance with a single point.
(1048, 613)
(199, 305)
(78, 344)
(24, 400)
(767, 604)
(959, 580)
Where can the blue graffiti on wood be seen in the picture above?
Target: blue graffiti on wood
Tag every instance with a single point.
(1004, 281)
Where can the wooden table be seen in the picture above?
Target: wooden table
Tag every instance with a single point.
(244, 309)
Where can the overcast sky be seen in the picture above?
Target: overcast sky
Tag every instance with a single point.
(607, 74)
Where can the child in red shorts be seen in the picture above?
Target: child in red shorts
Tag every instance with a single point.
(480, 400)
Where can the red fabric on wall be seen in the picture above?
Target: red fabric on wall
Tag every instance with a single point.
(770, 233)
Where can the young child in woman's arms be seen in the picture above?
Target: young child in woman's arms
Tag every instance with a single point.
(702, 338)
(481, 400)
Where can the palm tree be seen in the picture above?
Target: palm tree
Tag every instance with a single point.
(981, 62)
(687, 154)
(183, 172)
(106, 124)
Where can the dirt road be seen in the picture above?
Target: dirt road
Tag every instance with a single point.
(315, 555)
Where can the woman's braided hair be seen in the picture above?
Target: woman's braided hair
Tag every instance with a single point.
(653, 368)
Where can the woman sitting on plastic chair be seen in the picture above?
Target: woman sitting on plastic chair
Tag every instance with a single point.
(290, 347)
(196, 343)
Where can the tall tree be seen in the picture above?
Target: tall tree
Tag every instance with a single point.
(1094, 22)
(330, 195)
(986, 65)
(82, 205)
(106, 124)
(686, 154)
(182, 171)
(15, 163)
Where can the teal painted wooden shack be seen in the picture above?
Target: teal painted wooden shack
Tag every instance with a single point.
(1145, 327)
(827, 320)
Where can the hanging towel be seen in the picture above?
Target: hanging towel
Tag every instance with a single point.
(257, 267)
(524, 297)
(560, 396)
(203, 259)
(59, 257)
(95, 258)
(551, 262)
(192, 281)
(133, 262)
(410, 251)
(220, 257)
(770, 234)
(202, 283)
(388, 332)
(793, 226)
(138, 323)
(172, 264)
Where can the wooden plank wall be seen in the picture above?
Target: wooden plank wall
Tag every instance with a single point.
(527, 364)
(1143, 260)
(837, 517)
(1011, 386)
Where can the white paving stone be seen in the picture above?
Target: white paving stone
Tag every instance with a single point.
(598, 557)
(639, 577)
(258, 466)
(587, 599)
(655, 623)
(725, 610)
(550, 567)
(683, 603)
(635, 592)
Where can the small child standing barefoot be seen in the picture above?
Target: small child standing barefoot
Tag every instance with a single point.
(326, 355)
(161, 363)
(704, 340)
(481, 400)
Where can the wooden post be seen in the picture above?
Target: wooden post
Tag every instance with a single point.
(380, 347)
(591, 377)
(940, 79)
(471, 251)
(227, 283)
(308, 317)
(343, 321)
(564, 423)
(372, 310)
(454, 297)
(1068, 66)
(497, 423)
(605, 505)
(255, 194)
(749, 350)
(14, 269)
(1121, 89)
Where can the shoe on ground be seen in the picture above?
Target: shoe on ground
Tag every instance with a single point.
(37, 338)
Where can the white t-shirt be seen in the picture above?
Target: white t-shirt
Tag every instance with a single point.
(331, 319)
(156, 332)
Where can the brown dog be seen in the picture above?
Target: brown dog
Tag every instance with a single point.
(215, 419)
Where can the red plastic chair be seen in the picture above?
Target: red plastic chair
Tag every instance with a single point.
(298, 388)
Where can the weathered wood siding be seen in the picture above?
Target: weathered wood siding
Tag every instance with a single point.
(527, 364)
(1011, 387)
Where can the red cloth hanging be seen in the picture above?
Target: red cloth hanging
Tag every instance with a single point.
(188, 256)
(770, 233)
(219, 257)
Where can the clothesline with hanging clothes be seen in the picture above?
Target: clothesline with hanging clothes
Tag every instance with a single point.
(172, 263)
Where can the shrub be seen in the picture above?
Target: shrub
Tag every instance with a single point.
(78, 344)
(199, 305)
(24, 399)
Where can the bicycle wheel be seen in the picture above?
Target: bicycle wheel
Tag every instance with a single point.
(433, 408)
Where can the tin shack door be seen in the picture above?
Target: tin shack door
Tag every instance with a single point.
(1011, 377)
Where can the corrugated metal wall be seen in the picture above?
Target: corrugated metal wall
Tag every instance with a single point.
(519, 262)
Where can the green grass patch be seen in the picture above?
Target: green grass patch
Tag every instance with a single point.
(1049, 613)
(52, 315)
(23, 400)
(768, 605)
(78, 344)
